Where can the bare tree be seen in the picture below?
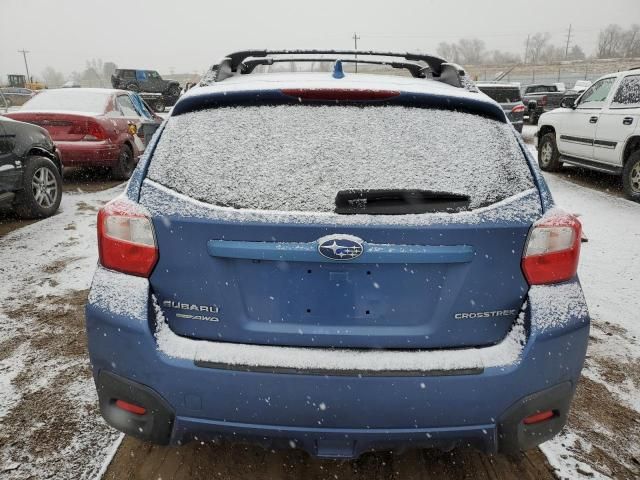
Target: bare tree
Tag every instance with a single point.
(108, 69)
(610, 42)
(537, 45)
(449, 51)
(576, 53)
(471, 50)
(631, 41)
(52, 78)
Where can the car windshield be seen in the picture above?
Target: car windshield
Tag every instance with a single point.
(502, 94)
(297, 158)
(542, 89)
(77, 100)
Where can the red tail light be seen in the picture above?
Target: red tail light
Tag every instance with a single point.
(553, 249)
(517, 109)
(126, 240)
(543, 100)
(340, 94)
(91, 130)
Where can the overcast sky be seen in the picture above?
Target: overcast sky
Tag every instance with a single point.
(190, 35)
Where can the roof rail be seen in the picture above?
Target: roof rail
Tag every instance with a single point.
(417, 70)
(438, 67)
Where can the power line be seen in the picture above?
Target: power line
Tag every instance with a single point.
(24, 55)
(566, 50)
(356, 37)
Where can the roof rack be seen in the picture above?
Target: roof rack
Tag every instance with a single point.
(417, 70)
(438, 67)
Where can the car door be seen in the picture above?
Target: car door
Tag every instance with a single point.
(618, 120)
(578, 127)
(133, 121)
(156, 85)
(10, 165)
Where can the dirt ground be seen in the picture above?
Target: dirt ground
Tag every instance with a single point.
(137, 460)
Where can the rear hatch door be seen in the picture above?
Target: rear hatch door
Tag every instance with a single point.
(248, 243)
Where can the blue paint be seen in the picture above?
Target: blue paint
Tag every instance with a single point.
(273, 287)
(337, 70)
(308, 252)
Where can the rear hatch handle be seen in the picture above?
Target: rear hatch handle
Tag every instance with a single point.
(309, 252)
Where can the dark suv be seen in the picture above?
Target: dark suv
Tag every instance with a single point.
(30, 170)
(144, 81)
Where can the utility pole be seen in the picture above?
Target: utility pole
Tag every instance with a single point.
(566, 50)
(356, 37)
(24, 55)
(526, 50)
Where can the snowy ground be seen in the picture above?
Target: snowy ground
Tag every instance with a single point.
(50, 426)
(49, 421)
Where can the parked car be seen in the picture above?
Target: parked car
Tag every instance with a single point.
(30, 170)
(509, 98)
(144, 81)
(599, 131)
(303, 260)
(91, 126)
(71, 84)
(581, 85)
(158, 93)
(540, 98)
(17, 96)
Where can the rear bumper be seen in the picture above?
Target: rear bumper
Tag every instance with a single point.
(337, 416)
(161, 425)
(87, 154)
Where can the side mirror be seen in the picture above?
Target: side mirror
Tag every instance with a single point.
(568, 102)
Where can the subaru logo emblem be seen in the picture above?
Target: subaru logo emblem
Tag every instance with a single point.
(340, 247)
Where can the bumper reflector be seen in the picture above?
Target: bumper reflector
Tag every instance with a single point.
(130, 407)
(539, 417)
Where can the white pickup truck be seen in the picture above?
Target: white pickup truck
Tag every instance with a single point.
(599, 130)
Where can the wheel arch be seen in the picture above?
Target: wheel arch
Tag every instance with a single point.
(632, 145)
(43, 152)
(544, 129)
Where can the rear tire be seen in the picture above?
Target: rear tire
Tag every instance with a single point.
(126, 164)
(42, 189)
(548, 155)
(133, 87)
(631, 177)
(174, 90)
(159, 106)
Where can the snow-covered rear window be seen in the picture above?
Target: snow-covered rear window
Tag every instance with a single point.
(76, 100)
(298, 157)
(628, 93)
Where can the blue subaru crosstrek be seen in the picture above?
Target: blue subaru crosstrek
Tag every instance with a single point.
(337, 262)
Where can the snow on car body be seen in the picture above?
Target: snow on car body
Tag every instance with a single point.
(337, 264)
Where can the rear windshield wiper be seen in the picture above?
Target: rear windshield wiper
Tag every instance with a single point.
(398, 202)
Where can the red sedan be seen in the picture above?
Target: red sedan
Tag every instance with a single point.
(92, 126)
